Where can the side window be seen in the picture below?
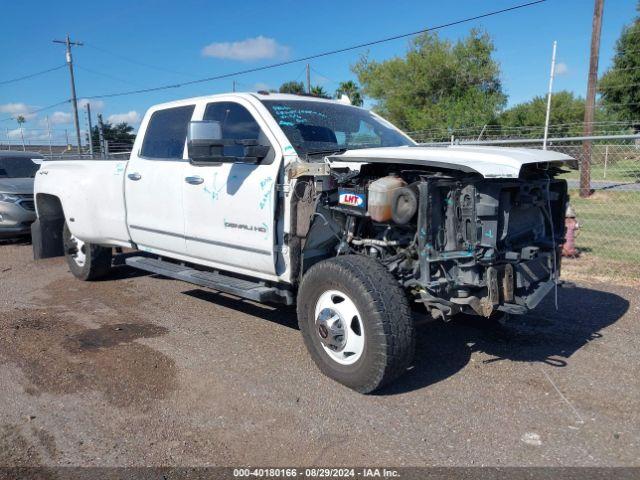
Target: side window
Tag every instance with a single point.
(167, 132)
(237, 124)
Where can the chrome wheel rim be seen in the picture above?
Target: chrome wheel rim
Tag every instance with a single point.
(339, 328)
(78, 253)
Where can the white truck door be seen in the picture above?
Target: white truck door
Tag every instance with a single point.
(229, 208)
(154, 179)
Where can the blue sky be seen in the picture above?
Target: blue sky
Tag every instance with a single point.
(171, 42)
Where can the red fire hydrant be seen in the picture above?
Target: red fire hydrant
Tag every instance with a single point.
(572, 226)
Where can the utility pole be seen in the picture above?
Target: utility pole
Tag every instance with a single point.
(546, 120)
(8, 140)
(234, 86)
(24, 149)
(49, 135)
(590, 105)
(90, 137)
(308, 78)
(101, 135)
(74, 100)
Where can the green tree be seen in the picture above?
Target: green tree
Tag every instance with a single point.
(292, 87)
(620, 85)
(318, 91)
(438, 83)
(20, 119)
(567, 114)
(120, 134)
(351, 90)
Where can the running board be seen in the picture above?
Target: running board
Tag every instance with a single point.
(215, 281)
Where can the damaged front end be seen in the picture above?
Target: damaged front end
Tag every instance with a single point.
(488, 245)
(457, 242)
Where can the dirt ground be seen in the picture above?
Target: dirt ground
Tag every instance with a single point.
(141, 370)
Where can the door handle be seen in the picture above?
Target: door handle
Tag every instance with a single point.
(195, 180)
(134, 176)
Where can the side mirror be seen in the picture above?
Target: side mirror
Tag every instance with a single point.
(204, 142)
(206, 146)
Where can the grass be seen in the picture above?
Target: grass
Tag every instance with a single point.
(610, 230)
(624, 170)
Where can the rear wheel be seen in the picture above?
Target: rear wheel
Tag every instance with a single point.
(356, 322)
(86, 261)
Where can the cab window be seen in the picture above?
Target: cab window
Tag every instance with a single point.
(166, 133)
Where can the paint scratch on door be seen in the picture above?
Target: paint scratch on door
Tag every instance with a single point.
(214, 191)
(266, 187)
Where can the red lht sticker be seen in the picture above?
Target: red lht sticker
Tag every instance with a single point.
(352, 199)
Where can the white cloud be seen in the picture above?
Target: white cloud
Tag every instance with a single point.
(15, 133)
(250, 49)
(59, 118)
(28, 134)
(15, 109)
(96, 105)
(131, 117)
(562, 68)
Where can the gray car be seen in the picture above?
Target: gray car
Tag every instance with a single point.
(17, 209)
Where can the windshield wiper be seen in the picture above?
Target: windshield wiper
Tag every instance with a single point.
(326, 152)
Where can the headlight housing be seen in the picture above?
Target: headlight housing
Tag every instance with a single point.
(9, 198)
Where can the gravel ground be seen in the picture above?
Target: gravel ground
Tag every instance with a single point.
(140, 370)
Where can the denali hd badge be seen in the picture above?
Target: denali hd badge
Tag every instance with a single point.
(350, 197)
(248, 228)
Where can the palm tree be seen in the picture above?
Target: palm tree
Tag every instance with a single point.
(292, 87)
(20, 119)
(351, 90)
(318, 91)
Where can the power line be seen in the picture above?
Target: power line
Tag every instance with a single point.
(302, 72)
(136, 62)
(25, 77)
(331, 80)
(318, 55)
(106, 75)
(31, 112)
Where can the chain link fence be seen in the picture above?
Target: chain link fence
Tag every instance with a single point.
(103, 150)
(608, 212)
(62, 143)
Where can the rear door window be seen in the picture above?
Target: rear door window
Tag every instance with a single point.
(166, 133)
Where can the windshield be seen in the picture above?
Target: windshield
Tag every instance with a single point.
(314, 127)
(18, 167)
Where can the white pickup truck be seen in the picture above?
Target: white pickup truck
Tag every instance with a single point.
(287, 198)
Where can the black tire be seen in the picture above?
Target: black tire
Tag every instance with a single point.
(385, 317)
(97, 261)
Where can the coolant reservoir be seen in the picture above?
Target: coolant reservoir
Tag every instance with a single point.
(380, 196)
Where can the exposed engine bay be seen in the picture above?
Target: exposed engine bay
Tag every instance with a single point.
(456, 241)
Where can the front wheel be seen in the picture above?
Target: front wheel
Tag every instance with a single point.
(356, 322)
(86, 261)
